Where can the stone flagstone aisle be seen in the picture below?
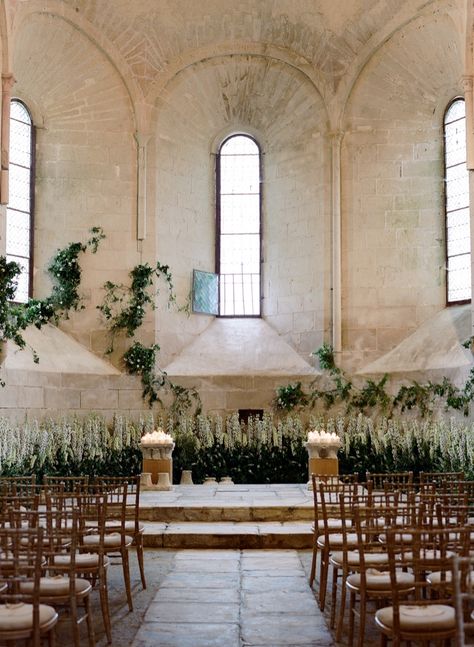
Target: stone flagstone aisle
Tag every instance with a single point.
(232, 598)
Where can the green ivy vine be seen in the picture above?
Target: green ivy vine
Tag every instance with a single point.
(373, 395)
(124, 308)
(65, 271)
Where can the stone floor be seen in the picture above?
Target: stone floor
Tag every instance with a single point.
(238, 597)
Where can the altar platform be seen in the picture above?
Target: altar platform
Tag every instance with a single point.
(228, 516)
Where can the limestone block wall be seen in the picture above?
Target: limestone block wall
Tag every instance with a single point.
(282, 109)
(85, 158)
(392, 191)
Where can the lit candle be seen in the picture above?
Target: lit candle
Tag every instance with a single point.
(157, 437)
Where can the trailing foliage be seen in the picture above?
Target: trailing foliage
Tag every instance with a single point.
(65, 271)
(124, 308)
(372, 397)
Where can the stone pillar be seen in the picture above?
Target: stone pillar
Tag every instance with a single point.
(336, 140)
(142, 141)
(7, 84)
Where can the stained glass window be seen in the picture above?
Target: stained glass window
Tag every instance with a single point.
(458, 236)
(239, 227)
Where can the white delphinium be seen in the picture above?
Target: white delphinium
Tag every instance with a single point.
(250, 431)
(117, 433)
(218, 427)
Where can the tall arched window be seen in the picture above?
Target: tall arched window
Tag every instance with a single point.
(239, 227)
(458, 236)
(19, 234)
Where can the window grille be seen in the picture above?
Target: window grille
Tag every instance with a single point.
(19, 229)
(239, 227)
(458, 236)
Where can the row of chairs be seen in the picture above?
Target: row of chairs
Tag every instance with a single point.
(81, 525)
(366, 533)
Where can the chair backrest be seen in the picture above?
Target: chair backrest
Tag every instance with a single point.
(68, 483)
(16, 484)
(440, 477)
(429, 549)
(132, 494)
(395, 480)
(21, 563)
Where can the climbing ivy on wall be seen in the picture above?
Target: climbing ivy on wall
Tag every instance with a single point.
(65, 271)
(372, 396)
(124, 308)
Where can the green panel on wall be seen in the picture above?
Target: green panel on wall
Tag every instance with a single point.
(205, 292)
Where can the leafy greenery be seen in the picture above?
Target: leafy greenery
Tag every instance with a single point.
(372, 396)
(124, 308)
(65, 271)
(291, 396)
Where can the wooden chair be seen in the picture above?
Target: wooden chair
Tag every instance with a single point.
(59, 584)
(22, 617)
(16, 484)
(438, 478)
(331, 537)
(116, 540)
(366, 574)
(463, 590)
(133, 526)
(90, 559)
(424, 618)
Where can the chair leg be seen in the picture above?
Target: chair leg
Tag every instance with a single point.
(362, 615)
(335, 575)
(342, 610)
(323, 577)
(89, 621)
(139, 548)
(126, 577)
(352, 602)
(75, 625)
(312, 574)
(104, 605)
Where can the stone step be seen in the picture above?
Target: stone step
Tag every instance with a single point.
(231, 513)
(228, 534)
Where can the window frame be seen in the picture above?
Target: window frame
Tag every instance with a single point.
(446, 213)
(32, 170)
(218, 225)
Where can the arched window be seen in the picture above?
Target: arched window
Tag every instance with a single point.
(458, 237)
(19, 233)
(239, 227)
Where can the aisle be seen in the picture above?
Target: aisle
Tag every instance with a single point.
(231, 598)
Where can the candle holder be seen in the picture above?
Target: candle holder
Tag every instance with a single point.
(157, 451)
(322, 450)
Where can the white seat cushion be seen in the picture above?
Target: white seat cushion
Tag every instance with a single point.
(111, 540)
(18, 617)
(333, 524)
(353, 558)
(337, 538)
(380, 580)
(424, 617)
(57, 585)
(85, 560)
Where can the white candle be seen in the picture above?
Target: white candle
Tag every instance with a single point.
(157, 437)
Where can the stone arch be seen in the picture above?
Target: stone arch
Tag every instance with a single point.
(282, 107)
(63, 11)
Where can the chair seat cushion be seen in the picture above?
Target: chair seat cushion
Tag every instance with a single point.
(84, 560)
(423, 617)
(57, 585)
(336, 539)
(333, 524)
(380, 580)
(19, 617)
(353, 558)
(111, 540)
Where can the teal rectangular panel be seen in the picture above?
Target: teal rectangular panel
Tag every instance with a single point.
(205, 292)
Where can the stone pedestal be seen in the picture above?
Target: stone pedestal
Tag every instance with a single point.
(158, 459)
(321, 460)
